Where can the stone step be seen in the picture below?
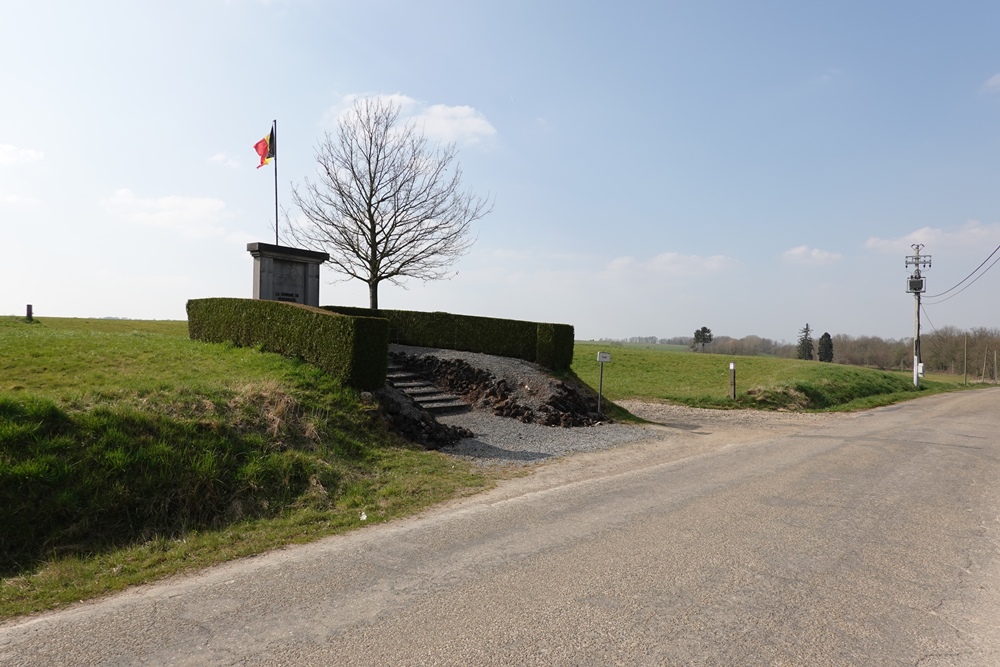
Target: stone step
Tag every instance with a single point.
(445, 408)
(399, 375)
(428, 396)
(428, 390)
(407, 385)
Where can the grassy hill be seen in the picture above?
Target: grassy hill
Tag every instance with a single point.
(128, 451)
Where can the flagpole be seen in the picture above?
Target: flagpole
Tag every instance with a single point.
(274, 133)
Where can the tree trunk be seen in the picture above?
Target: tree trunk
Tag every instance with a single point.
(373, 295)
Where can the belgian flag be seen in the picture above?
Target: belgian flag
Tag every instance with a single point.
(267, 148)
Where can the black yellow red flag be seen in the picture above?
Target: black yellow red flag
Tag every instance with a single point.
(266, 148)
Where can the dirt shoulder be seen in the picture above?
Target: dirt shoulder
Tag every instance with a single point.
(675, 433)
(683, 418)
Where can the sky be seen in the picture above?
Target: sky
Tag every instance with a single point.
(654, 167)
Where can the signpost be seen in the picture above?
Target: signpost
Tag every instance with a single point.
(732, 380)
(602, 358)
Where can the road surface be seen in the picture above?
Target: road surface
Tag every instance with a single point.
(862, 539)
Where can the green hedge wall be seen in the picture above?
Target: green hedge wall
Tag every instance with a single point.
(352, 349)
(554, 347)
(550, 345)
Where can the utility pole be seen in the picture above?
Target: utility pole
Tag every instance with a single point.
(917, 285)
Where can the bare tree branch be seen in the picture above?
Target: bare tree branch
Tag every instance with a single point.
(386, 205)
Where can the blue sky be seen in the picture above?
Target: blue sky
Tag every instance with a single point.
(656, 166)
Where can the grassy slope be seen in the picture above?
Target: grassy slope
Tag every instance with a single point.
(764, 382)
(97, 412)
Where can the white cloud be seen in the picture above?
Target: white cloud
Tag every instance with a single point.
(803, 254)
(192, 217)
(973, 235)
(991, 85)
(439, 122)
(7, 199)
(224, 160)
(535, 254)
(11, 155)
(673, 264)
(461, 124)
(334, 114)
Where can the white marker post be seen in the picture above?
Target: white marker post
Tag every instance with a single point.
(732, 380)
(602, 358)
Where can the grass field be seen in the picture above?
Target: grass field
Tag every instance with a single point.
(129, 452)
(761, 382)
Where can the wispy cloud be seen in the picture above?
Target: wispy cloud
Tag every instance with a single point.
(191, 217)
(973, 235)
(803, 254)
(991, 84)
(7, 199)
(11, 155)
(461, 124)
(224, 160)
(535, 254)
(673, 264)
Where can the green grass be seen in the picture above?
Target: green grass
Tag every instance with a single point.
(129, 452)
(702, 380)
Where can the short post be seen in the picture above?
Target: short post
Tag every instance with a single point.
(966, 362)
(732, 380)
(602, 358)
(28, 316)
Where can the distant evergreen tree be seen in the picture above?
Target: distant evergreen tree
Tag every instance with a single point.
(703, 337)
(804, 350)
(824, 350)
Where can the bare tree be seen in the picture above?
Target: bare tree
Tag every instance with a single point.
(388, 205)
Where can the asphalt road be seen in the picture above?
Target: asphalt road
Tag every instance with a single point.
(867, 539)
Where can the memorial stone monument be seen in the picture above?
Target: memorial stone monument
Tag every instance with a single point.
(286, 274)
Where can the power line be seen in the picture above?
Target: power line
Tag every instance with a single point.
(967, 277)
(924, 310)
(934, 296)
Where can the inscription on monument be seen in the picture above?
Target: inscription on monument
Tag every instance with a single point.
(289, 281)
(286, 274)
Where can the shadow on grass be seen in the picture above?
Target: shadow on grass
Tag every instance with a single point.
(93, 481)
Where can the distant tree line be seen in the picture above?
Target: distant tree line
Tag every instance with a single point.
(943, 350)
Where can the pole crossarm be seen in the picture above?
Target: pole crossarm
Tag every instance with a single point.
(919, 261)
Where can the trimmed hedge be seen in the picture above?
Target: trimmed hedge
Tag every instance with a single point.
(554, 347)
(550, 345)
(353, 349)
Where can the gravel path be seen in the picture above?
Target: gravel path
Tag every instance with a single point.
(501, 441)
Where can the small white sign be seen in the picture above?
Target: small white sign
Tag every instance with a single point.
(732, 366)
(603, 357)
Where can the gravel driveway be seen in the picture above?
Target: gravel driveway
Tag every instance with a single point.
(506, 442)
(501, 441)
